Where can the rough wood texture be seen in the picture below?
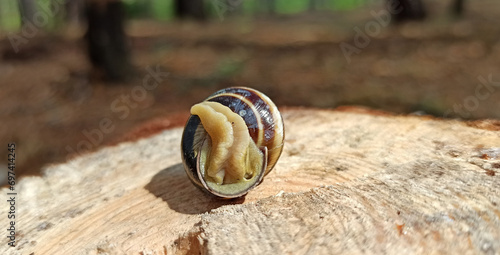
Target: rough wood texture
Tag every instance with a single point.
(348, 182)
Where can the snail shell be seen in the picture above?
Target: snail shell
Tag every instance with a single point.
(231, 141)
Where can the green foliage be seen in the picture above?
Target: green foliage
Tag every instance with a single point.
(54, 13)
(345, 4)
(137, 8)
(49, 13)
(291, 6)
(249, 6)
(10, 18)
(156, 9)
(162, 9)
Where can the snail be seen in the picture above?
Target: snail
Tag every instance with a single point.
(231, 141)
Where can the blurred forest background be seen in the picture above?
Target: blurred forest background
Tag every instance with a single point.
(77, 75)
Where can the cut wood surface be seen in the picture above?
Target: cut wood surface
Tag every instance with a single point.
(349, 181)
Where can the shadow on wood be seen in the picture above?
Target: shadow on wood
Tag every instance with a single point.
(174, 187)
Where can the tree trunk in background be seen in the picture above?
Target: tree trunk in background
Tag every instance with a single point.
(315, 5)
(235, 7)
(409, 10)
(267, 6)
(458, 7)
(190, 9)
(28, 10)
(271, 6)
(73, 11)
(107, 47)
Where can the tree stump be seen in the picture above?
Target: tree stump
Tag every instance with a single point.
(349, 181)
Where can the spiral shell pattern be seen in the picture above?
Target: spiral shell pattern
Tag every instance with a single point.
(264, 124)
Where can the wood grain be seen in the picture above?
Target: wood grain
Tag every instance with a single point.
(348, 181)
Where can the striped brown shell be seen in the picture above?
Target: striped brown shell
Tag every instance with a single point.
(265, 128)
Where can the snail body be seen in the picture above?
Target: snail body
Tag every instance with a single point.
(231, 141)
